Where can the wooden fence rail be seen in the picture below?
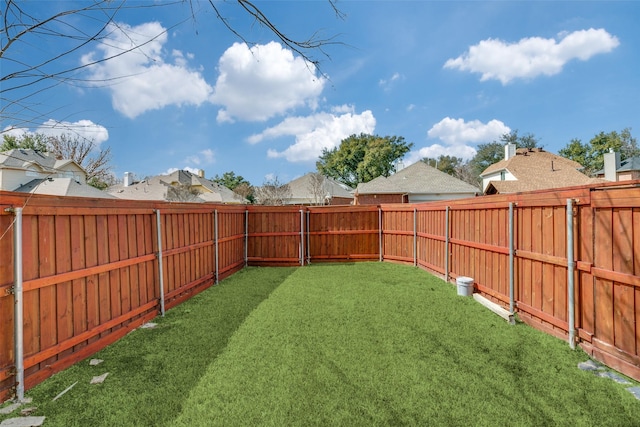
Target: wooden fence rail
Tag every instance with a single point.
(91, 268)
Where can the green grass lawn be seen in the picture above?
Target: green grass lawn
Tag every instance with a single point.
(352, 344)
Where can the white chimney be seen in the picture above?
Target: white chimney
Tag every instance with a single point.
(201, 173)
(509, 151)
(128, 179)
(611, 165)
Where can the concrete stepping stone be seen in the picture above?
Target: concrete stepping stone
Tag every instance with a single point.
(590, 365)
(149, 325)
(10, 408)
(94, 362)
(99, 379)
(23, 422)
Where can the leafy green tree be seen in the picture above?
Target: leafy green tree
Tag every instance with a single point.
(576, 151)
(591, 154)
(230, 180)
(525, 141)
(486, 155)
(32, 141)
(445, 163)
(361, 158)
(237, 183)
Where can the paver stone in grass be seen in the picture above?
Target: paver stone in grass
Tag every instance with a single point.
(10, 408)
(590, 365)
(612, 375)
(149, 325)
(99, 379)
(635, 391)
(94, 362)
(23, 422)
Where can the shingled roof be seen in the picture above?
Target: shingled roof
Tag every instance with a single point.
(302, 189)
(419, 178)
(536, 169)
(22, 158)
(155, 188)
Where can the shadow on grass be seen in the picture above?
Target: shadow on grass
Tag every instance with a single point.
(151, 371)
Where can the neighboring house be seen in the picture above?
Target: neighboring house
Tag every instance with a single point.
(616, 170)
(31, 171)
(315, 189)
(156, 188)
(528, 169)
(416, 183)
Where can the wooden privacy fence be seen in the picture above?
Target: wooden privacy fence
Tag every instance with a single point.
(91, 270)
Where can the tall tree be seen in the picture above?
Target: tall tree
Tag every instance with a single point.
(273, 192)
(361, 158)
(578, 152)
(35, 141)
(317, 188)
(528, 140)
(486, 155)
(85, 152)
(591, 154)
(237, 183)
(445, 163)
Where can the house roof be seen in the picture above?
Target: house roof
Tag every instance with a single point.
(302, 188)
(626, 165)
(536, 169)
(62, 187)
(21, 159)
(630, 164)
(419, 178)
(155, 188)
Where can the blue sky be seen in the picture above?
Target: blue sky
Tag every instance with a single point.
(446, 76)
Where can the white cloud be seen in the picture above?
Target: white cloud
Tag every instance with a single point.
(533, 56)
(204, 157)
(316, 132)
(457, 136)
(457, 131)
(186, 168)
(84, 129)
(141, 80)
(387, 83)
(434, 151)
(262, 82)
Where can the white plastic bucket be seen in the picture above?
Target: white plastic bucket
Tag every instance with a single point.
(465, 286)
